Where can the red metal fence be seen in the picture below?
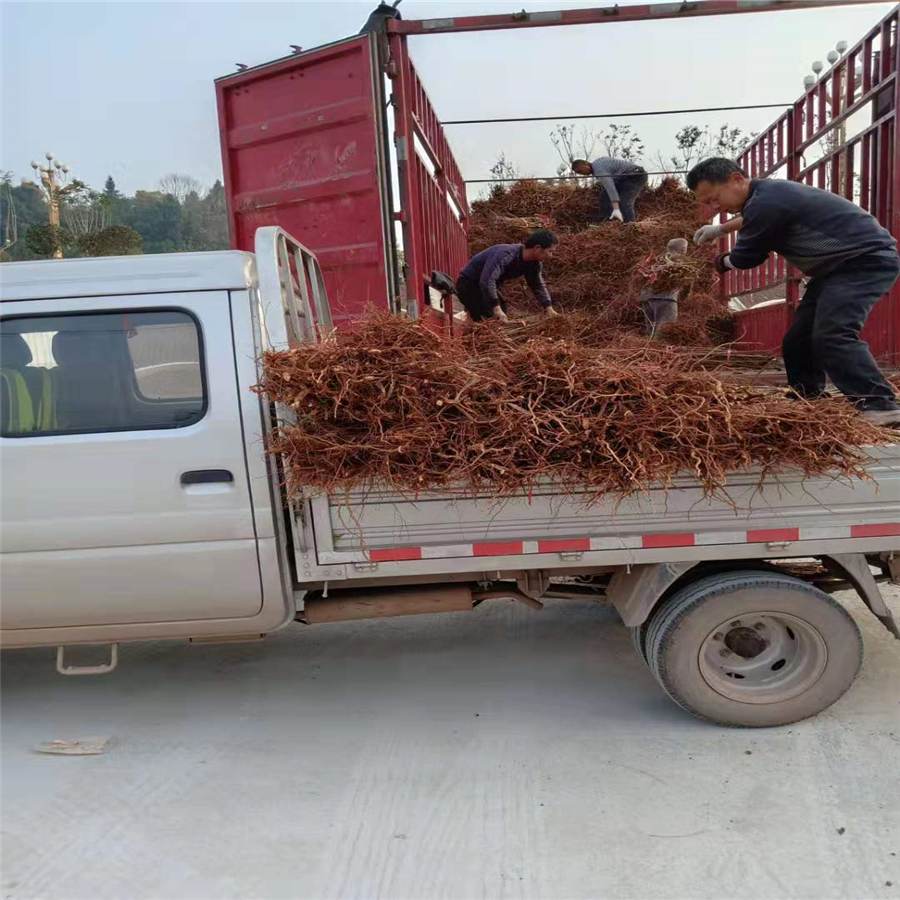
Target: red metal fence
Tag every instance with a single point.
(863, 166)
(433, 203)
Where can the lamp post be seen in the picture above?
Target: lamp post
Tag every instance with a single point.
(810, 81)
(53, 178)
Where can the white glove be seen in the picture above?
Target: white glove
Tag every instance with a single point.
(707, 234)
(617, 215)
(550, 311)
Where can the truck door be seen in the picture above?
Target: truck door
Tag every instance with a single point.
(125, 485)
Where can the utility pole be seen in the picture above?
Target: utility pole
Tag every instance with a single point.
(53, 177)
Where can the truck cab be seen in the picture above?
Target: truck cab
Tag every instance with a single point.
(137, 496)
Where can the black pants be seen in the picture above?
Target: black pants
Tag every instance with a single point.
(476, 304)
(824, 336)
(628, 186)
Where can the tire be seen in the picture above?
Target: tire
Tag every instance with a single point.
(753, 649)
(639, 641)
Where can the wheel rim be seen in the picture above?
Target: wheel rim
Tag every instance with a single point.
(763, 657)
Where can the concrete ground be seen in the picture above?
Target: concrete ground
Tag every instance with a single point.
(494, 754)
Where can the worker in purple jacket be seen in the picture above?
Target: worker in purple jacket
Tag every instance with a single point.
(477, 285)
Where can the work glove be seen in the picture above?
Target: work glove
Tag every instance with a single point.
(723, 263)
(707, 234)
(617, 215)
(550, 311)
(499, 314)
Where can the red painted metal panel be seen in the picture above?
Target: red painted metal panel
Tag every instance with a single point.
(499, 548)
(396, 554)
(605, 15)
(889, 529)
(432, 190)
(302, 148)
(563, 546)
(816, 118)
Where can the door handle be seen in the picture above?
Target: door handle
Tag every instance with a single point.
(206, 476)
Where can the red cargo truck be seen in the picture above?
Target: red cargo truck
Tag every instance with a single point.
(341, 147)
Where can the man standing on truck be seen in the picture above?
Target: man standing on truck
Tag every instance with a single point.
(851, 260)
(477, 285)
(621, 180)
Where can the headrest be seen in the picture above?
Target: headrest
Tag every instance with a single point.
(81, 348)
(13, 350)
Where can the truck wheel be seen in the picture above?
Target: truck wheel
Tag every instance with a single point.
(639, 640)
(753, 649)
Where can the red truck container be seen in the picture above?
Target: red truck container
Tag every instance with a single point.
(318, 142)
(339, 144)
(862, 165)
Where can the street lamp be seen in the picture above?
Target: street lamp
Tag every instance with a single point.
(53, 177)
(810, 81)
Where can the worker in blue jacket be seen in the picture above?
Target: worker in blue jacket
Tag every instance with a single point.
(478, 284)
(851, 260)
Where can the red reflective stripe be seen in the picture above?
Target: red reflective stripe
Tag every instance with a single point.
(886, 530)
(562, 546)
(768, 535)
(655, 541)
(498, 549)
(395, 554)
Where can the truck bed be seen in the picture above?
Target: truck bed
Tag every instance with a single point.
(788, 514)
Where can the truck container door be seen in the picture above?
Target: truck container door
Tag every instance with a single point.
(125, 485)
(303, 148)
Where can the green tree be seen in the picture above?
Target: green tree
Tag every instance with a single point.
(44, 240)
(116, 240)
(157, 218)
(20, 206)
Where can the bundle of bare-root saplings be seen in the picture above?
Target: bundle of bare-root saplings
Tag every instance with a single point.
(600, 268)
(396, 404)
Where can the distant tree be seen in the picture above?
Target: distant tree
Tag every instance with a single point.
(109, 188)
(693, 144)
(204, 221)
(9, 222)
(157, 217)
(180, 186)
(20, 207)
(622, 142)
(574, 142)
(116, 240)
(83, 211)
(580, 142)
(44, 240)
(503, 169)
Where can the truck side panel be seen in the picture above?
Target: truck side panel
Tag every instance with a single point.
(378, 527)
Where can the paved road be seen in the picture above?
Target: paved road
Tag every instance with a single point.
(497, 754)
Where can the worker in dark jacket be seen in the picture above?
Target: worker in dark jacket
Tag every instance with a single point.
(621, 179)
(477, 285)
(851, 260)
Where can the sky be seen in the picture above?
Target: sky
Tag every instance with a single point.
(126, 88)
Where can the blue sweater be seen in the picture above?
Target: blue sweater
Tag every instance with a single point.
(812, 229)
(500, 263)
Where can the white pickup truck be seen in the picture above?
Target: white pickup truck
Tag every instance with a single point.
(139, 504)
